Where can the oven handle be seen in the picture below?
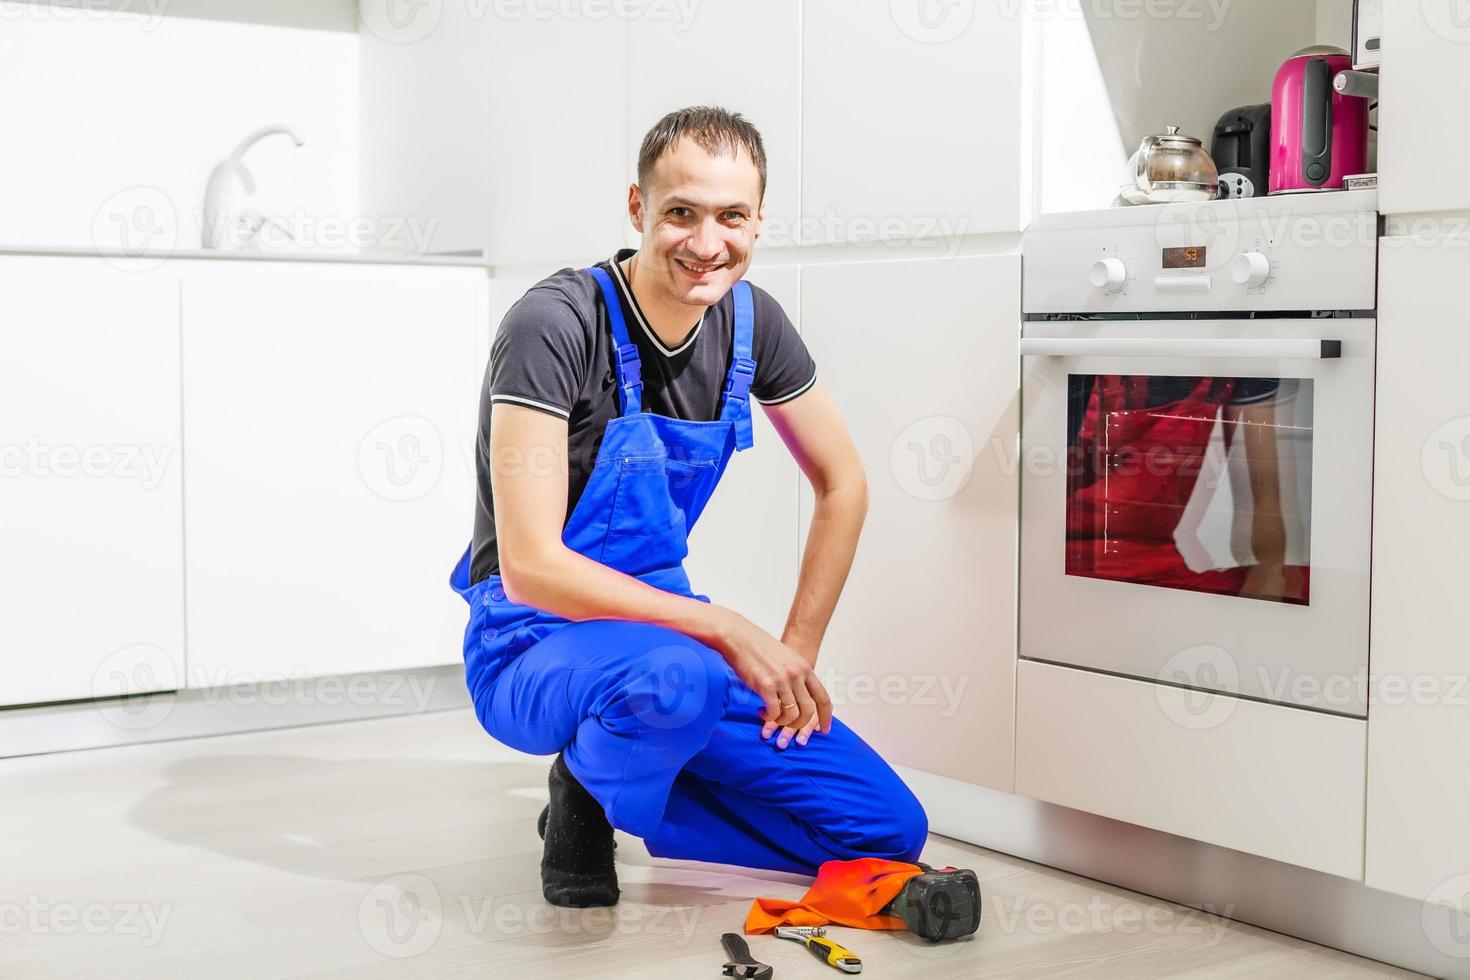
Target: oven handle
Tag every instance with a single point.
(1269, 347)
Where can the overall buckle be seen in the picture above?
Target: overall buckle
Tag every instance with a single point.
(737, 386)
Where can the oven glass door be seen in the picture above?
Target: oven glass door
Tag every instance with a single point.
(1196, 503)
(1191, 481)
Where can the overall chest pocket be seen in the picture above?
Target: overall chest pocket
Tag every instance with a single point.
(649, 519)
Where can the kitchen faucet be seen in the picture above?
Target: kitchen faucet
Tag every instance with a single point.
(231, 167)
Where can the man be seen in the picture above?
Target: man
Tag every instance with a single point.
(614, 398)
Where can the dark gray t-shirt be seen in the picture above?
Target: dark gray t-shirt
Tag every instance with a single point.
(554, 353)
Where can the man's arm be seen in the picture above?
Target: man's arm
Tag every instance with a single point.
(813, 431)
(528, 468)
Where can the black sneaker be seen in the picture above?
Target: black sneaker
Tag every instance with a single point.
(577, 858)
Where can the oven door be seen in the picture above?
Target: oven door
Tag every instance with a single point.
(1196, 502)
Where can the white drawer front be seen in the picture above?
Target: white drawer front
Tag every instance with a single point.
(1284, 783)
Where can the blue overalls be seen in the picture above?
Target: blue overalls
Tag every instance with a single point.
(652, 722)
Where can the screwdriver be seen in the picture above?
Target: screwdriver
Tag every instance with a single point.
(824, 949)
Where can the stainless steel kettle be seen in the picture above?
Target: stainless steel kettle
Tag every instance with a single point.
(1169, 167)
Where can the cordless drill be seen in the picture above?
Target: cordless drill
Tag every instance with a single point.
(939, 904)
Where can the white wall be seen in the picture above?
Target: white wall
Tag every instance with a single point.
(119, 99)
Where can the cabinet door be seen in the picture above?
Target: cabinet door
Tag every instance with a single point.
(91, 585)
(743, 551)
(923, 360)
(1421, 148)
(330, 424)
(1418, 722)
(911, 124)
(672, 68)
(558, 118)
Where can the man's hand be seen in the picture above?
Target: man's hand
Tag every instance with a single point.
(796, 701)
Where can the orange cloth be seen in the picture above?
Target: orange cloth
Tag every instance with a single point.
(848, 893)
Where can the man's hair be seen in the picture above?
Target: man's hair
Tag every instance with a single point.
(718, 131)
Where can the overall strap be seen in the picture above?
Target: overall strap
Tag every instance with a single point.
(736, 406)
(629, 367)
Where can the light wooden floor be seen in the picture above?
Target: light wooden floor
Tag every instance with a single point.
(407, 848)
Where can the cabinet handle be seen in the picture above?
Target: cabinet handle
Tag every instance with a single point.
(1179, 347)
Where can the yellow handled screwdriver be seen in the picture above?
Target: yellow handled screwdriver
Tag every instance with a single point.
(824, 949)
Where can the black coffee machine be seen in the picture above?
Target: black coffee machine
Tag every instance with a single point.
(1241, 149)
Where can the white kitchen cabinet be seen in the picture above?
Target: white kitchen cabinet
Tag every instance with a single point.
(1280, 782)
(1418, 720)
(424, 134)
(672, 67)
(558, 124)
(329, 430)
(910, 120)
(91, 585)
(743, 551)
(922, 358)
(1421, 146)
(503, 124)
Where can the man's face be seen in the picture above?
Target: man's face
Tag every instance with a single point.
(700, 216)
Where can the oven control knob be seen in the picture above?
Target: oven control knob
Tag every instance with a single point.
(1108, 274)
(1250, 268)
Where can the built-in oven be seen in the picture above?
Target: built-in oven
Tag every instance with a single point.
(1197, 425)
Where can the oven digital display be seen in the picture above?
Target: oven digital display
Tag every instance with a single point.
(1188, 257)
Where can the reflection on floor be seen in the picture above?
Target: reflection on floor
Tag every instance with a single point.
(406, 847)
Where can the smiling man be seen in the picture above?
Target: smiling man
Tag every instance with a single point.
(614, 399)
